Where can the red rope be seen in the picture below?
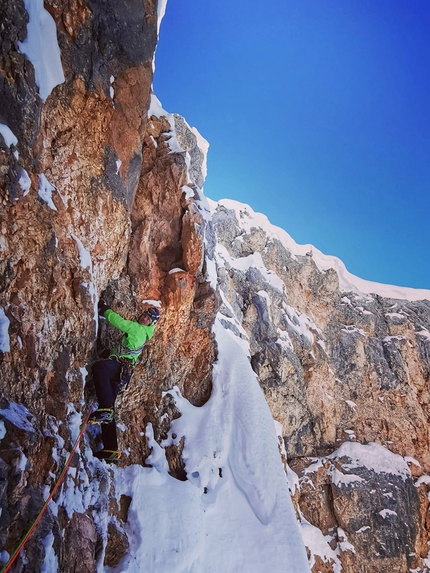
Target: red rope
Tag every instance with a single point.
(51, 495)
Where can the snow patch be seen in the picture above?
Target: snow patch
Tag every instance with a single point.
(156, 303)
(86, 263)
(45, 191)
(2, 430)
(24, 182)
(386, 513)
(8, 135)
(4, 332)
(41, 48)
(19, 416)
(373, 457)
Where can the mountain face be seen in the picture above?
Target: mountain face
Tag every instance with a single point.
(346, 374)
(101, 195)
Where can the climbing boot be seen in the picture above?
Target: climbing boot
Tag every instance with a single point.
(109, 456)
(102, 416)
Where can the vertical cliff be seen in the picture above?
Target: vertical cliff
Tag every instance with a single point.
(344, 365)
(93, 200)
(101, 194)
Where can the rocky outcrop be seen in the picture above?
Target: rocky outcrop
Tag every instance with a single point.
(92, 201)
(337, 367)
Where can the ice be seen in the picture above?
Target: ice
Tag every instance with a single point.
(41, 48)
(45, 191)
(2, 430)
(8, 135)
(4, 332)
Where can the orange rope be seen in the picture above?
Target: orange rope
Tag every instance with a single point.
(51, 495)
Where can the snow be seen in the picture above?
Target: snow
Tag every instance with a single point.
(188, 191)
(22, 463)
(8, 135)
(75, 421)
(234, 512)
(424, 332)
(363, 529)
(4, 332)
(19, 416)
(245, 263)
(348, 282)
(41, 48)
(50, 563)
(373, 457)
(203, 145)
(156, 303)
(161, 10)
(299, 322)
(422, 480)
(318, 545)
(86, 263)
(386, 513)
(24, 182)
(2, 430)
(45, 191)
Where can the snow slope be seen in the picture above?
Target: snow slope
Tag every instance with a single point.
(233, 515)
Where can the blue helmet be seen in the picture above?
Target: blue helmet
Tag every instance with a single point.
(153, 314)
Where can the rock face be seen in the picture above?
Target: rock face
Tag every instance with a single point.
(101, 194)
(337, 367)
(92, 202)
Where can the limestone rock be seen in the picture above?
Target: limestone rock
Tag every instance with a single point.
(336, 367)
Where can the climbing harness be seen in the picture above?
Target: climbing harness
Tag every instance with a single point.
(51, 495)
(121, 349)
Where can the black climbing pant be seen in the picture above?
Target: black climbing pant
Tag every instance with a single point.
(107, 377)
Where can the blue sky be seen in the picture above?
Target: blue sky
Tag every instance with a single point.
(318, 115)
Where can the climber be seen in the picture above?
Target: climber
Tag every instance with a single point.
(111, 376)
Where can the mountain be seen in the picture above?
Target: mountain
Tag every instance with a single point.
(277, 420)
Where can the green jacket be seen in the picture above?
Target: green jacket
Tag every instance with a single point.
(135, 335)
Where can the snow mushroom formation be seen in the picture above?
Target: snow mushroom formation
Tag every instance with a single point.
(278, 419)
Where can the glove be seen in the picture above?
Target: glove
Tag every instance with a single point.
(102, 307)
